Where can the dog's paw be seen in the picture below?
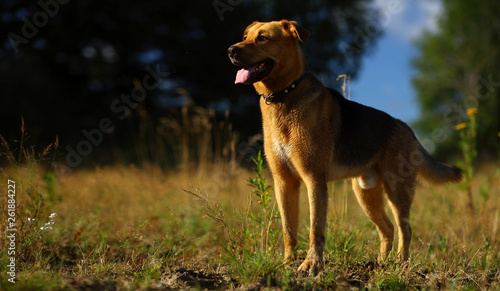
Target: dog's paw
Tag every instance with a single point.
(288, 260)
(310, 267)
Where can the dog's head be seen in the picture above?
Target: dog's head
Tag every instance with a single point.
(269, 50)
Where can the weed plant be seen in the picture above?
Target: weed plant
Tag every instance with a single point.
(468, 146)
(253, 239)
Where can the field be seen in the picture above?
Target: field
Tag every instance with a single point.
(216, 226)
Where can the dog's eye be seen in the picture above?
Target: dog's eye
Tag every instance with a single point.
(244, 37)
(261, 38)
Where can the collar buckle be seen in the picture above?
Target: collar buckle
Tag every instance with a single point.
(269, 99)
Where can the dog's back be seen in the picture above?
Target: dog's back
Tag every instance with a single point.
(363, 131)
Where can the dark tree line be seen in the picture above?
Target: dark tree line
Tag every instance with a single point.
(64, 64)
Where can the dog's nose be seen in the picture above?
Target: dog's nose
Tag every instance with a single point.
(233, 50)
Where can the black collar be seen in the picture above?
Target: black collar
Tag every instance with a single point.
(277, 97)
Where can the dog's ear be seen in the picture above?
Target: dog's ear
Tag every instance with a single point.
(295, 30)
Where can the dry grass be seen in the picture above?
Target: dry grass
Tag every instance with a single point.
(128, 227)
(134, 225)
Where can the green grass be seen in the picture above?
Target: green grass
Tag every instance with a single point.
(135, 227)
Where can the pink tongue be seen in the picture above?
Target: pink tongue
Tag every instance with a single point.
(242, 76)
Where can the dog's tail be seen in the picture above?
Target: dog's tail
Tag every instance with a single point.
(435, 171)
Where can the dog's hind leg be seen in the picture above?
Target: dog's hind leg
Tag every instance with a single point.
(372, 202)
(400, 194)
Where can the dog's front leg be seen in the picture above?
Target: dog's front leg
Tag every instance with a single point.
(318, 202)
(286, 188)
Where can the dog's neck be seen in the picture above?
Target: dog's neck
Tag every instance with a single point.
(279, 96)
(276, 83)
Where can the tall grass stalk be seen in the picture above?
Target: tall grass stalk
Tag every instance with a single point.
(190, 138)
(346, 91)
(467, 144)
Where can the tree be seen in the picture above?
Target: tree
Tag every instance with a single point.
(64, 63)
(458, 69)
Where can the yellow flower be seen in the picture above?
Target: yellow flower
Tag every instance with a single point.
(260, 202)
(461, 126)
(471, 111)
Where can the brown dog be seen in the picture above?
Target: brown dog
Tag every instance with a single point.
(313, 134)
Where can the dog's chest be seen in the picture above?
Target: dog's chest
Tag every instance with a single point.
(281, 136)
(282, 150)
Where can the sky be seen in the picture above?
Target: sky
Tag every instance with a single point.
(384, 81)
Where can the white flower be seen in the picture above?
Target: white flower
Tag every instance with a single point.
(31, 219)
(47, 225)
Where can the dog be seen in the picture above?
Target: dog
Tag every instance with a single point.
(312, 134)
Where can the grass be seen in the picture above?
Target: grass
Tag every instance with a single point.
(129, 227)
